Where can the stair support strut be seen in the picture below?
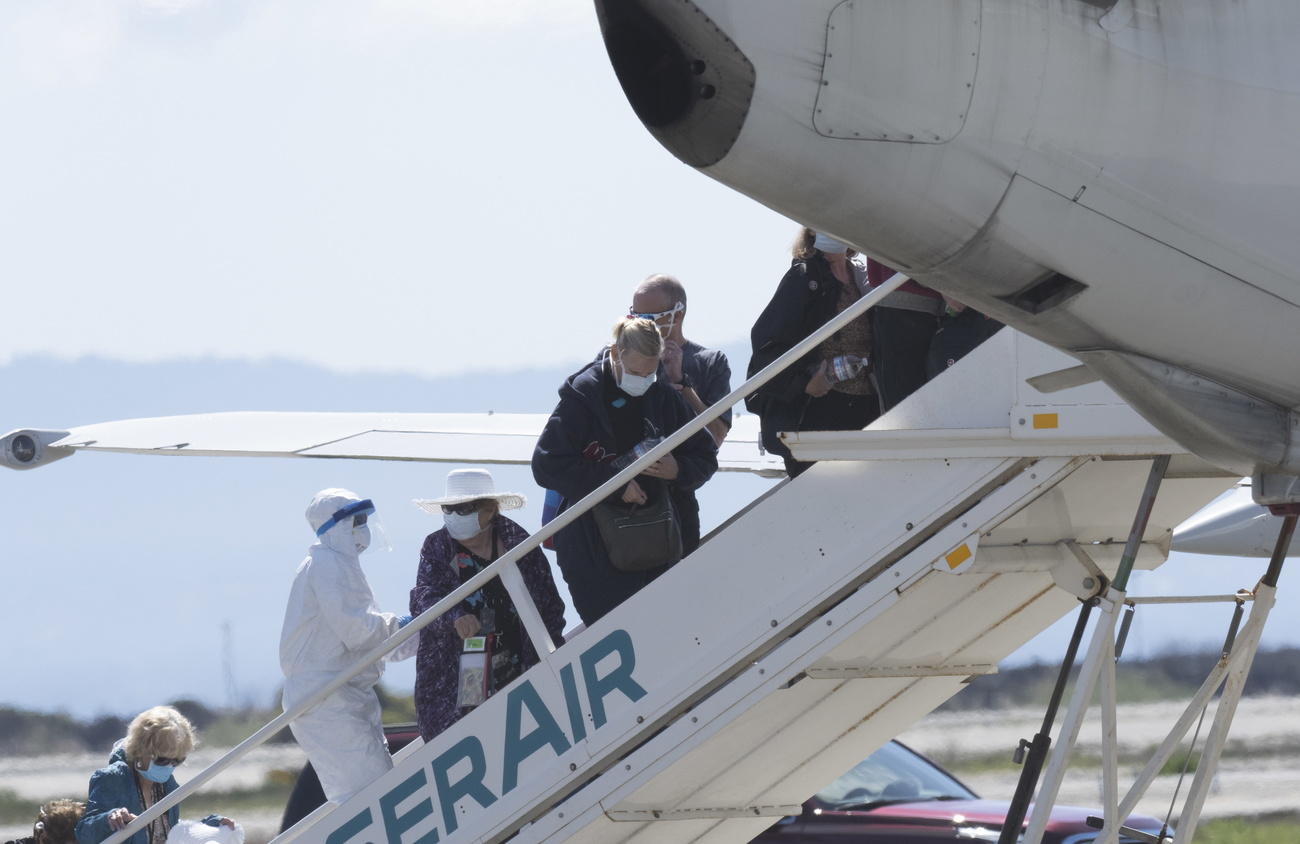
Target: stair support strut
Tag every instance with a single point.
(1230, 672)
(1100, 651)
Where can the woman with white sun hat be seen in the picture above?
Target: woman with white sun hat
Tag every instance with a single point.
(473, 535)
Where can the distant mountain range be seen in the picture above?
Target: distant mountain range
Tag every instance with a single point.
(41, 391)
(182, 550)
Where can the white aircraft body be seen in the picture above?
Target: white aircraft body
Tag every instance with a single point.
(1115, 177)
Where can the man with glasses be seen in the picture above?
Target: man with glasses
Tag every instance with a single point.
(701, 376)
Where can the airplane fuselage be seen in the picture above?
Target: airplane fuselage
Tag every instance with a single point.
(1115, 178)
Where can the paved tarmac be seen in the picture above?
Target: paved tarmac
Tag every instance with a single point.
(1261, 773)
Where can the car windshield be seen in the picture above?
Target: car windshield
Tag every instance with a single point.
(893, 774)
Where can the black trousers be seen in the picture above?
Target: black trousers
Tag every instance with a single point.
(834, 411)
(900, 348)
(958, 335)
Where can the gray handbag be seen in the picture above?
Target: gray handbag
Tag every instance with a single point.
(640, 537)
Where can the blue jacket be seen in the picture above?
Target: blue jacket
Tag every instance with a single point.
(114, 787)
(573, 458)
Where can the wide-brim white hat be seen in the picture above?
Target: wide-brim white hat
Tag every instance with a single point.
(470, 485)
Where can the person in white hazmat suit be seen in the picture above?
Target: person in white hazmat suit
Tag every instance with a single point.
(331, 621)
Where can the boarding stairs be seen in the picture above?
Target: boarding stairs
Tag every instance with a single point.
(826, 617)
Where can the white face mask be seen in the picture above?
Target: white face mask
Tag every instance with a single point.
(634, 385)
(361, 537)
(462, 527)
(826, 243)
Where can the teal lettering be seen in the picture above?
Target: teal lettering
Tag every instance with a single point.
(470, 785)
(351, 829)
(576, 724)
(518, 747)
(394, 824)
(618, 642)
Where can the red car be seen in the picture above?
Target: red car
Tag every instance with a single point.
(894, 796)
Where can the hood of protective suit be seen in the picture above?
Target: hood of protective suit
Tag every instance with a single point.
(197, 832)
(322, 508)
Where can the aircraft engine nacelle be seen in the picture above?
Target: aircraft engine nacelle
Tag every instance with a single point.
(829, 112)
(29, 448)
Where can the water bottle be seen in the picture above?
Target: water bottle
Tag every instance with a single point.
(636, 452)
(845, 368)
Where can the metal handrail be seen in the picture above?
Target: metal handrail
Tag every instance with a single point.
(511, 557)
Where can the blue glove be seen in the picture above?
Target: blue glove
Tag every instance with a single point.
(402, 621)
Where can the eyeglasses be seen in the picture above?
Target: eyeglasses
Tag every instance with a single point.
(168, 762)
(464, 508)
(656, 317)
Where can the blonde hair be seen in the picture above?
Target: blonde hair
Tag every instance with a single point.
(803, 248)
(57, 822)
(803, 244)
(160, 731)
(633, 334)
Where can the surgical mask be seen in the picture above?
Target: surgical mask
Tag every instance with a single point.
(361, 536)
(462, 527)
(826, 243)
(157, 773)
(634, 385)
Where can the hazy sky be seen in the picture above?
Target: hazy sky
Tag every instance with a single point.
(403, 185)
(406, 185)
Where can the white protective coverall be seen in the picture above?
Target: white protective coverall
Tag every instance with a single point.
(331, 621)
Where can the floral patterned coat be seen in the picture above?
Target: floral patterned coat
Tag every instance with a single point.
(437, 663)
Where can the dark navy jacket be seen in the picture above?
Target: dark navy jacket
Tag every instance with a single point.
(805, 300)
(573, 458)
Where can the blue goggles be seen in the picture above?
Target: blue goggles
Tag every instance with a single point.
(358, 508)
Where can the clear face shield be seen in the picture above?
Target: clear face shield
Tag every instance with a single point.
(368, 532)
(359, 520)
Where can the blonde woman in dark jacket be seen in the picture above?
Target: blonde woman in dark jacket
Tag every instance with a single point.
(605, 410)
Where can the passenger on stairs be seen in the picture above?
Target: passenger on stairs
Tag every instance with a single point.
(56, 823)
(903, 327)
(608, 413)
(829, 388)
(332, 621)
(138, 775)
(961, 329)
(702, 376)
(473, 535)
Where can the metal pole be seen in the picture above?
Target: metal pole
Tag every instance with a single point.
(1109, 747)
(1086, 683)
(563, 520)
(1279, 551)
(1184, 722)
(1145, 505)
(532, 620)
(1084, 686)
(1033, 761)
(1214, 741)
(1265, 597)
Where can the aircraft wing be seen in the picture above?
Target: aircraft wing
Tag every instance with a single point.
(432, 437)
